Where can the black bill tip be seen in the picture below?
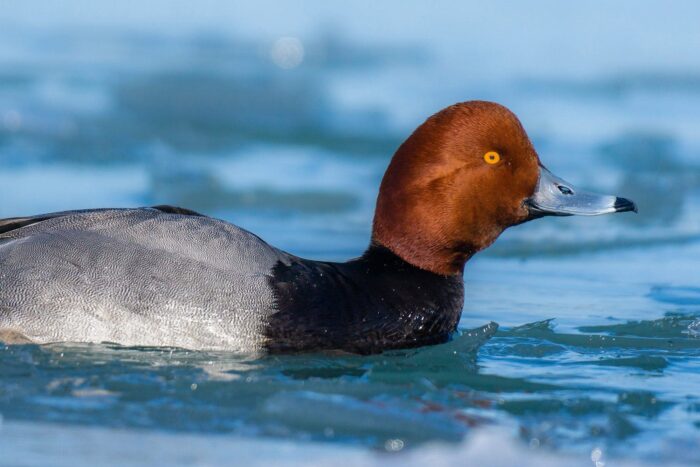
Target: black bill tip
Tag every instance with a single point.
(624, 205)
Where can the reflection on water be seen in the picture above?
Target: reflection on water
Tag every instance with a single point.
(288, 136)
(355, 398)
(563, 390)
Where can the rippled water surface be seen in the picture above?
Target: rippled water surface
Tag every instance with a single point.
(580, 337)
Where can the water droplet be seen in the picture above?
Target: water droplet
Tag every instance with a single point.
(287, 52)
(596, 456)
(394, 445)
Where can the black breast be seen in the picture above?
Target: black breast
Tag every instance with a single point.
(375, 303)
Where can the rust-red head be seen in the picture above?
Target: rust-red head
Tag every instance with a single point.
(465, 175)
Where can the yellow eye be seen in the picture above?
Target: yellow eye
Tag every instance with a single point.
(492, 157)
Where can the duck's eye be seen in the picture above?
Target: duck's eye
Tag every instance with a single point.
(492, 157)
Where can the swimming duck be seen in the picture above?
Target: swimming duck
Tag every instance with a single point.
(168, 276)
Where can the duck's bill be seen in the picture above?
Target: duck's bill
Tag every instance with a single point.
(556, 197)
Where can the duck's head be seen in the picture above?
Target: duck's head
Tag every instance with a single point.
(463, 177)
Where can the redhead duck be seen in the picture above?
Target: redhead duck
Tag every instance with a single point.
(167, 276)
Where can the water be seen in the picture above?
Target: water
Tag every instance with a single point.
(594, 358)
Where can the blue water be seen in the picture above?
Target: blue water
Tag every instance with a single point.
(594, 354)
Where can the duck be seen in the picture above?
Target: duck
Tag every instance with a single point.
(167, 276)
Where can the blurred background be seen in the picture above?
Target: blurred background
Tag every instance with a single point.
(282, 116)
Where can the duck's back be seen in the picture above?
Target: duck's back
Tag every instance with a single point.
(155, 276)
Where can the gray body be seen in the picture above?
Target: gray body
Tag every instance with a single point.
(137, 277)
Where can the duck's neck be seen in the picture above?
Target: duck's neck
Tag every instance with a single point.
(436, 251)
(374, 303)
